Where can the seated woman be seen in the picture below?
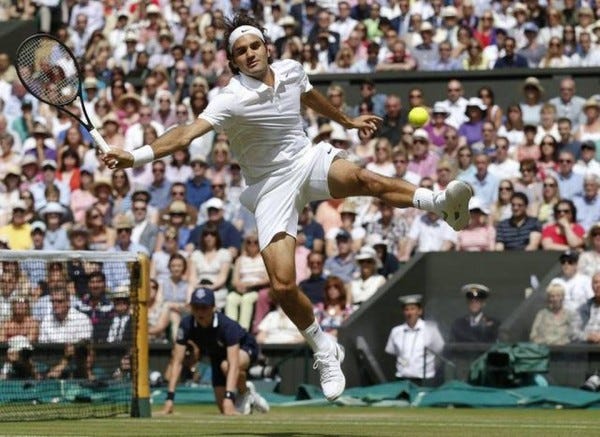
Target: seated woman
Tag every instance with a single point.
(175, 291)
(369, 281)
(479, 235)
(332, 312)
(553, 325)
(565, 233)
(249, 277)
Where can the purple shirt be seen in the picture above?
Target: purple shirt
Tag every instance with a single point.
(436, 139)
(471, 131)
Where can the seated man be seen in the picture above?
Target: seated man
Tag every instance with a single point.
(588, 323)
(64, 324)
(519, 232)
(407, 342)
(231, 350)
(429, 233)
(475, 326)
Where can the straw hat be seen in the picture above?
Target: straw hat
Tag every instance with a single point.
(129, 97)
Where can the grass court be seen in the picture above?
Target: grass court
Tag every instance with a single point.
(202, 420)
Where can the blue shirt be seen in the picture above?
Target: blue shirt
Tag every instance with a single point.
(313, 231)
(197, 193)
(214, 340)
(314, 288)
(161, 194)
(486, 189)
(588, 211)
(516, 237)
(230, 236)
(570, 186)
(342, 268)
(516, 61)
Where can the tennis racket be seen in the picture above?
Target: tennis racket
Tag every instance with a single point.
(50, 72)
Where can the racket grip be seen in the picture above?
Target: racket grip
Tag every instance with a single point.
(99, 141)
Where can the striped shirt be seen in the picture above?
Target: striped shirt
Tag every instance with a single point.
(516, 237)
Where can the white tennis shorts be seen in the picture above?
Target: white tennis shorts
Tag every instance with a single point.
(277, 200)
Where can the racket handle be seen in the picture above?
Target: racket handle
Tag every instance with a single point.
(99, 141)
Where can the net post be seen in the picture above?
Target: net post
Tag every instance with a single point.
(140, 402)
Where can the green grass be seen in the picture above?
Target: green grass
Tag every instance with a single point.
(328, 421)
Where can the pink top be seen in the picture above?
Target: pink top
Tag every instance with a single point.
(477, 239)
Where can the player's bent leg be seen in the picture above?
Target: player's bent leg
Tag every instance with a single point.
(347, 179)
(279, 260)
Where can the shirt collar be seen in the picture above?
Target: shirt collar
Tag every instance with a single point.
(257, 85)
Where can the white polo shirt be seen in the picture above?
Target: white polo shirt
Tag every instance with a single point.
(263, 123)
(76, 326)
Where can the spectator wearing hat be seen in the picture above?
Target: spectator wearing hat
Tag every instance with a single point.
(511, 58)
(408, 343)
(11, 187)
(231, 350)
(471, 131)
(144, 232)
(18, 364)
(231, 238)
(348, 213)
(103, 190)
(588, 317)
(290, 28)
(123, 225)
(590, 129)
(437, 128)
(480, 234)
(198, 186)
(343, 264)
(423, 161)
(369, 281)
(428, 233)
(554, 325)
(587, 203)
(532, 102)
(17, 232)
(519, 232)
(585, 15)
(175, 217)
(589, 261)
(79, 237)
(578, 286)
(96, 305)
(38, 189)
(119, 326)
(426, 53)
(475, 327)
(111, 130)
(55, 236)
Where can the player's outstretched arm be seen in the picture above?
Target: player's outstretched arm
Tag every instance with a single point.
(318, 102)
(172, 140)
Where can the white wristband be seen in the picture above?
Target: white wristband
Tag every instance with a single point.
(142, 156)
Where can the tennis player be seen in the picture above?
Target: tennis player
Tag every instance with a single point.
(260, 111)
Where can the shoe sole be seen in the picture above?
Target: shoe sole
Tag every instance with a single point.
(458, 194)
(341, 354)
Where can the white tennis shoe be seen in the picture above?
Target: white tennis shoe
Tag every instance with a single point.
(243, 403)
(452, 204)
(329, 363)
(259, 404)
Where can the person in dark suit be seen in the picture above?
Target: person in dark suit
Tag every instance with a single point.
(475, 327)
(119, 330)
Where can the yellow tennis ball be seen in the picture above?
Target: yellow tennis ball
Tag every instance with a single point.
(418, 116)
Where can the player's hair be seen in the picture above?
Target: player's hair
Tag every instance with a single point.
(241, 19)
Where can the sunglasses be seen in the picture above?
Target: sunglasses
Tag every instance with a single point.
(218, 186)
(563, 211)
(549, 185)
(251, 241)
(565, 161)
(505, 189)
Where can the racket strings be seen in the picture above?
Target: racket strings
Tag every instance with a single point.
(48, 71)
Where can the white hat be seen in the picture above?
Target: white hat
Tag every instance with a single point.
(18, 343)
(213, 202)
(38, 226)
(449, 11)
(152, 9)
(90, 82)
(339, 135)
(420, 133)
(288, 20)
(367, 252)
(411, 299)
(121, 292)
(19, 204)
(375, 240)
(476, 203)
(198, 158)
(426, 27)
(52, 207)
(49, 163)
(477, 102)
(440, 108)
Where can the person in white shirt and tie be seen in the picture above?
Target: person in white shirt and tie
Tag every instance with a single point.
(120, 326)
(413, 342)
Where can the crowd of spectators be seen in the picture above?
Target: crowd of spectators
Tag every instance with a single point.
(148, 67)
